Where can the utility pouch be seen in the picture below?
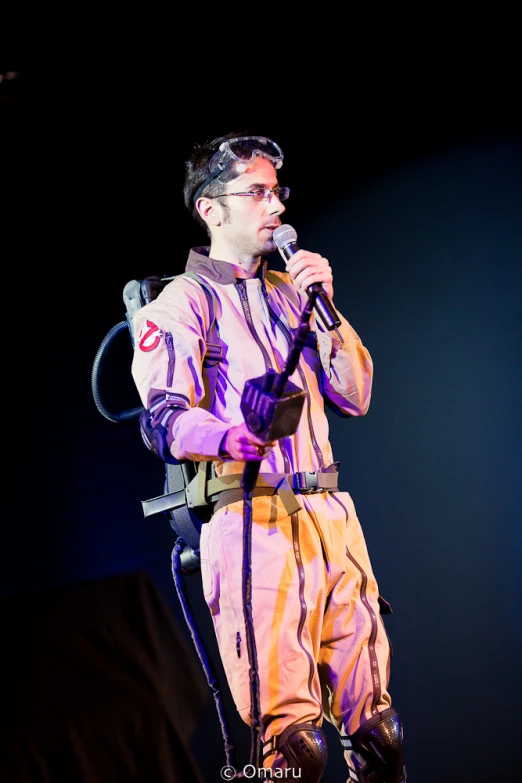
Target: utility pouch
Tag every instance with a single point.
(181, 503)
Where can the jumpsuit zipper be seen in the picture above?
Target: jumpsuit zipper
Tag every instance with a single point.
(243, 296)
(169, 342)
(374, 665)
(302, 618)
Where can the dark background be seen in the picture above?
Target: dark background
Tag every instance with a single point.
(406, 175)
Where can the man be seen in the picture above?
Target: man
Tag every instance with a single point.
(320, 646)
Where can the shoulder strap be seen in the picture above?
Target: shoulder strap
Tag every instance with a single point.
(210, 293)
(214, 348)
(286, 288)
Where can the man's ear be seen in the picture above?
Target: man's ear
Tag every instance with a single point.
(209, 211)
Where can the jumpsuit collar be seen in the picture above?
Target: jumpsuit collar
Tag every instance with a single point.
(219, 271)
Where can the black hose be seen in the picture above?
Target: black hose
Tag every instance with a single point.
(131, 413)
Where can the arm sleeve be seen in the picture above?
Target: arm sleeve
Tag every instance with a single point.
(167, 368)
(348, 369)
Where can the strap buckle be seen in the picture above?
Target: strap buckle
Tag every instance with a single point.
(306, 482)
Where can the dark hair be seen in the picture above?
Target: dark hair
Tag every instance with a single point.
(196, 172)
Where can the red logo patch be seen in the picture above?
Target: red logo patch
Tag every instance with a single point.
(149, 336)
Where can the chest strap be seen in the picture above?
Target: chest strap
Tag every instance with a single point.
(220, 491)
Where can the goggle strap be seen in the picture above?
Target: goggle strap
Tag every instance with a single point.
(202, 187)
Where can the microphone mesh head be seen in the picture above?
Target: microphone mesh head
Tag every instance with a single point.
(284, 235)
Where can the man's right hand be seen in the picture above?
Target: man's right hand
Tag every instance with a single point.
(244, 446)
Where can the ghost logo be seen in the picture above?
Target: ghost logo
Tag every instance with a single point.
(149, 336)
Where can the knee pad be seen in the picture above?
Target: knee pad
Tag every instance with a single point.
(379, 742)
(304, 748)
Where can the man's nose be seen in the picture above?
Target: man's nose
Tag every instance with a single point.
(275, 206)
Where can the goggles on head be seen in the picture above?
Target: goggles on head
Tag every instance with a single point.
(240, 153)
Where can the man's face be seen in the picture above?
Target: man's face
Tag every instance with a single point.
(247, 225)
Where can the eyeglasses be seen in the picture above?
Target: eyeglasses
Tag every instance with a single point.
(261, 193)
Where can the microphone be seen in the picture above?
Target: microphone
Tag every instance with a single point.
(285, 238)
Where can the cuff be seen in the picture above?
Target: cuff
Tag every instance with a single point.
(222, 453)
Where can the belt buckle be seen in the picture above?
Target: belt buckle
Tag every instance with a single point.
(312, 483)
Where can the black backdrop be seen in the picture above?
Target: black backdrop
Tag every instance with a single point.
(414, 194)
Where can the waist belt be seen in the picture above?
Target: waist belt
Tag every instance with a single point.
(227, 489)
